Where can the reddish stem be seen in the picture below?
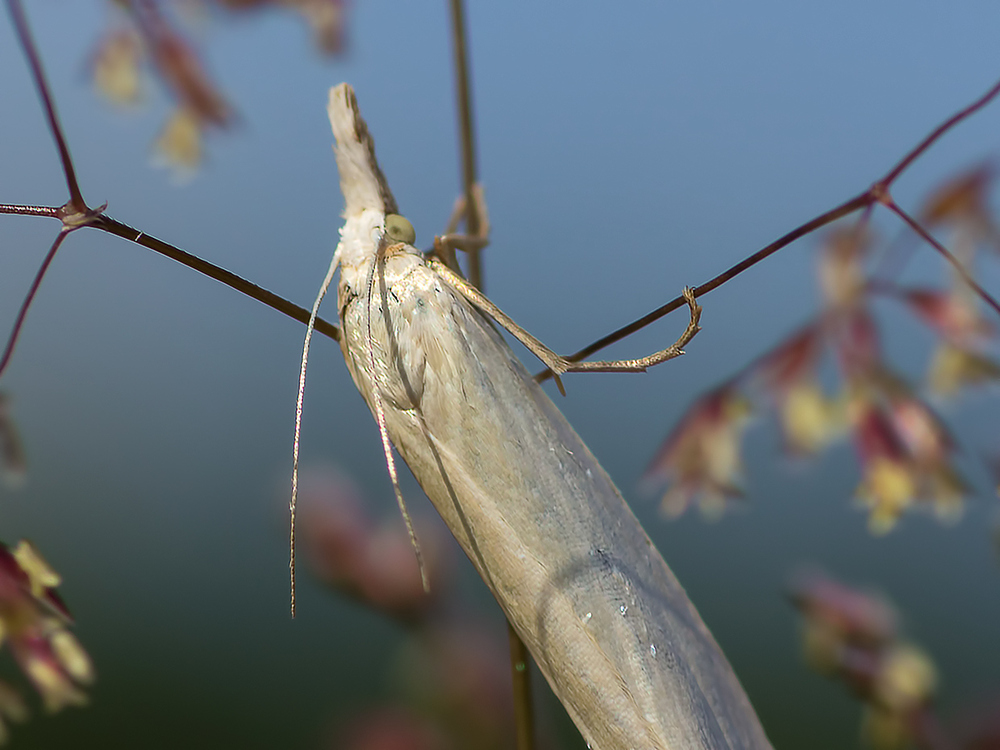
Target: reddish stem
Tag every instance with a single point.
(944, 252)
(42, 86)
(22, 313)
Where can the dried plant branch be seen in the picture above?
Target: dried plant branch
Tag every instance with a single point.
(107, 224)
(955, 263)
(272, 300)
(76, 213)
(844, 209)
(520, 675)
(877, 193)
(939, 131)
(22, 313)
(463, 95)
(474, 226)
(41, 86)
(16, 208)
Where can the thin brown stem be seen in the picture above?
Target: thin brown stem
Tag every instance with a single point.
(15, 332)
(520, 672)
(926, 236)
(524, 719)
(830, 216)
(272, 300)
(466, 128)
(878, 192)
(18, 209)
(939, 131)
(117, 228)
(41, 85)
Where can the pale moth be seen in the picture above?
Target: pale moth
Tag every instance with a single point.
(603, 616)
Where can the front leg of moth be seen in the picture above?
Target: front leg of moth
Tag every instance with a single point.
(557, 363)
(639, 365)
(477, 235)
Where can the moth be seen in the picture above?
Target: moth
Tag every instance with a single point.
(608, 624)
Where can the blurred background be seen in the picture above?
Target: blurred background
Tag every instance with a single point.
(625, 154)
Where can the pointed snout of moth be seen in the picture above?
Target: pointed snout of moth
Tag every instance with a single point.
(361, 181)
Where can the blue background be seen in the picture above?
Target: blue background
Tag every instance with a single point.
(625, 153)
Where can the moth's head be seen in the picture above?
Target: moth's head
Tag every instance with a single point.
(399, 229)
(365, 232)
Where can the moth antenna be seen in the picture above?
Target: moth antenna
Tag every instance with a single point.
(298, 425)
(390, 462)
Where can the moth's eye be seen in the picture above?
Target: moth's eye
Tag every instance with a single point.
(400, 229)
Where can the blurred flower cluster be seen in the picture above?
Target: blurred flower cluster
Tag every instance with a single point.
(905, 452)
(372, 563)
(145, 41)
(451, 678)
(962, 209)
(34, 625)
(853, 636)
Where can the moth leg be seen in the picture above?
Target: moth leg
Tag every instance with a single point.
(559, 364)
(640, 365)
(477, 219)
